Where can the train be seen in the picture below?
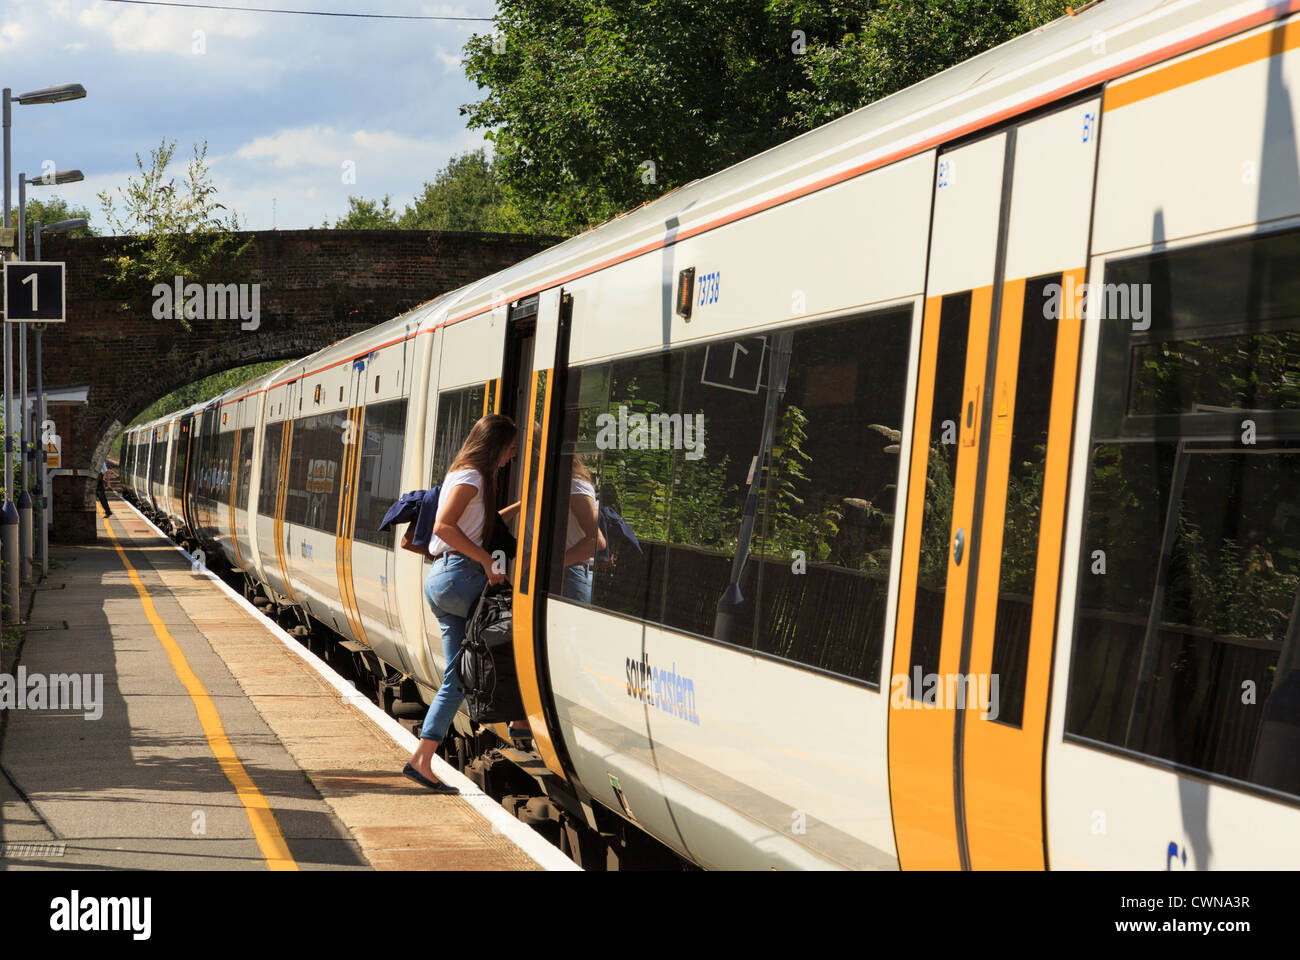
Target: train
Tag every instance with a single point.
(957, 448)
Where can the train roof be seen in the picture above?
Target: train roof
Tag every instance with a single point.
(1076, 52)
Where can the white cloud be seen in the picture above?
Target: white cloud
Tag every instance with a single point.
(450, 61)
(12, 33)
(320, 146)
(164, 30)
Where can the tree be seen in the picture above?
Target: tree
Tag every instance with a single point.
(595, 106)
(900, 43)
(466, 194)
(55, 210)
(366, 214)
(175, 230)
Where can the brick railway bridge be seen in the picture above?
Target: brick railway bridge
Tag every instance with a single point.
(315, 288)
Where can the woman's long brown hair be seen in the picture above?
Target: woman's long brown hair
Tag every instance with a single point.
(481, 451)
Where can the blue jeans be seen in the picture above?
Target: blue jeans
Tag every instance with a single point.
(577, 583)
(452, 587)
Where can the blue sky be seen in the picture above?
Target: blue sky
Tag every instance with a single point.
(282, 101)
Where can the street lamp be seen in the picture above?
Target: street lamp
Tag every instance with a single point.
(24, 502)
(63, 226)
(8, 513)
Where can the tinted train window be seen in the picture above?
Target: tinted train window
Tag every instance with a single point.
(940, 486)
(315, 471)
(1022, 521)
(180, 458)
(244, 458)
(158, 457)
(383, 439)
(1187, 638)
(458, 411)
(269, 479)
(759, 476)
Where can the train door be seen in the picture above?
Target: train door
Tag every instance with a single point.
(985, 511)
(541, 355)
(352, 433)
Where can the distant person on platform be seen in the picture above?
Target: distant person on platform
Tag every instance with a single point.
(101, 489)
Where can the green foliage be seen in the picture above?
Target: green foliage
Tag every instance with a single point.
(791, 523)
(366, 214)
(689, 501)
(173, 229)
(54, 210)
(883, 47)
(1236, 592)
(465, 195)
(936, 526)
(1021, 524)
(582, 92)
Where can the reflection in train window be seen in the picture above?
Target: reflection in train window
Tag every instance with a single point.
(940, 487)
(1030, 417)
(315, 471)
(244, 457)
(1187, 646)
(383, 438)
(758, 477)
(458, 411)
(157, 460)
(270, 475)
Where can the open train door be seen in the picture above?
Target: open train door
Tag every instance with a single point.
(539, 415)
(985, 510)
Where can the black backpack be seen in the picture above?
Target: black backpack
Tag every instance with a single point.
(487, 662)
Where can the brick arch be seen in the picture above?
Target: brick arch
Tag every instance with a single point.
(315, 288)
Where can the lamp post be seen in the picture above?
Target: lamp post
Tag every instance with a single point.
(8, 513)
(24, 495)
(42, 473)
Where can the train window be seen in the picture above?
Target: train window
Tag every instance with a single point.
(180, 461)
(830, 492)
(1031, 415)
(535, 464)
(381, 470)
(631, 479)
(157, 459)
(759, 478)
(270, 476)
(458, 410)
(244, 457)
(225, 457)
(940, 485)
(315, 471)
(1187, 635)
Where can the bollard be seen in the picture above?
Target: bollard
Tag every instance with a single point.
(9, 553)
(25, 537)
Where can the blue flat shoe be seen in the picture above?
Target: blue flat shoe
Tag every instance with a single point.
(415, 775)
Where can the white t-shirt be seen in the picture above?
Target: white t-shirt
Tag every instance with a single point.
(575, 533)
(471, 520)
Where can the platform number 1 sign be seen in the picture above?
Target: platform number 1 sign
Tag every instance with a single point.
(34, 292)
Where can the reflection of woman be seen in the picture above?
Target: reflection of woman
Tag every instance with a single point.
(583, 539)
(461, 567)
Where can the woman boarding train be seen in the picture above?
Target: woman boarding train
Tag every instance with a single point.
(462, 565)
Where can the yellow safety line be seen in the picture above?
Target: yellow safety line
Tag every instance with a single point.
(266, 831)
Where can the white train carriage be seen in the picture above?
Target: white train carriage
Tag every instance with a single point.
(958, 439)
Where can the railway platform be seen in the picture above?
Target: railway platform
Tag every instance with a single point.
(153, 720)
